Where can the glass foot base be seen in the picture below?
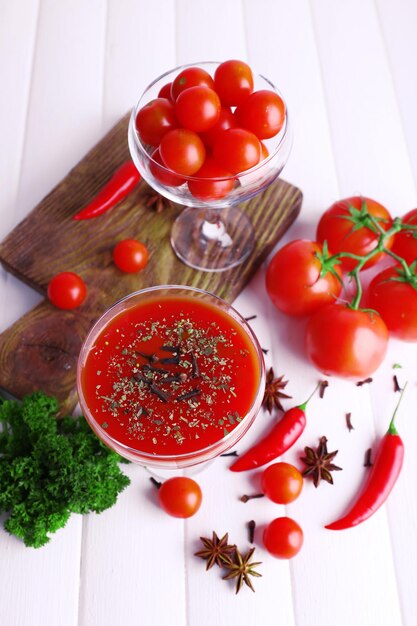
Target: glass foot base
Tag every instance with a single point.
(212, 241)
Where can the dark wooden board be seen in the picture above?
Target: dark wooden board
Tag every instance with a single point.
(40, 350)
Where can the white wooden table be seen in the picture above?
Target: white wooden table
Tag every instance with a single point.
(68, 71)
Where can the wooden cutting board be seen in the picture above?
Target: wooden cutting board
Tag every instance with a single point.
(40, 350)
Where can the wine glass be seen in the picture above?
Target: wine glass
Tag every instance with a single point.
(213, 235)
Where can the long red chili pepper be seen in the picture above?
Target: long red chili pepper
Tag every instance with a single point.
(382, 478)
(282, 436)
(125, 178)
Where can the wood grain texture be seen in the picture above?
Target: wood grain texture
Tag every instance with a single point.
(40, 350)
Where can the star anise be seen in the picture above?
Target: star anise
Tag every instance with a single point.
(157, 202)
(319, 463)
(242, 569)
(273, 391)
(217, 551)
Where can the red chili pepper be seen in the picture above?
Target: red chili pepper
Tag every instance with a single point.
(282, 436)
(125, 178)
(382, 478)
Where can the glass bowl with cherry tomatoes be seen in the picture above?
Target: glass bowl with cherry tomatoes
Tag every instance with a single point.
(210, 136)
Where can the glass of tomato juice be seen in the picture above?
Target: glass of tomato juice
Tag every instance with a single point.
(170, 377)
(213, 233)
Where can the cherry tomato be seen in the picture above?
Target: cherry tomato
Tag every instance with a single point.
(233, 82)
(198, 108)
(130, 255)
(352, 234)
(226, 120)
(154, 120)
(182, 151)
(208, 189)
(165, 92)
(180, 496)
(164, 176)
(263, 113)
(237, 150)
(294, 282)
(396, 302)
(283, 538)
(405, 243)
(282, 483)
(190, 77)
(346, 342)
(67, 290)
(264, 152)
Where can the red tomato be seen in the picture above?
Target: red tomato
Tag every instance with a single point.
(237, 150)
(165, 92)
(161, 173)
(346, 342)
(180, 496)
(405, 244)
(190, 77)
(130, 255)
(67, 290)
(293, 280)
(226, 120)
(396, 302)
(263, 113)
(182, 151)
(282, 483)
(154, 120)
(264, 152)
(353, 235)
(209, 189)
(233, 82)
(198, 108)
(283, 538)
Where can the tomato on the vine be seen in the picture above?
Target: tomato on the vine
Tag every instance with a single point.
(67, 290)
(161, 173)
(190, 77)
(298, 282)
(226, 120)
(155, 119)
(283, 538)
(180, 496)
(233, 82)
(206, 187)
(347, 228)
(237, 150)
(263, 113)
(282, 483)
(198, 108)
(346, 342)
(405, 243)
(182, 151)
(395, 299)
(130, 255)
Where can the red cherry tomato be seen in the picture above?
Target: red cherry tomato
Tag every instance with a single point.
(294, 282)
(67, 290)
(233, 82)
(154, 120)
(283, 538)
(345, 342)
(405, 243)
(263, 113)
(161, 173)
(190, 77)
(165, 92)
(180, 496)
(182, 151)
(282, 483)
(396, 302)
(198, 108)
(208, 189)
(264, 152)
(226, 120)
(237, 150)
(347, 235)
(130, 255)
